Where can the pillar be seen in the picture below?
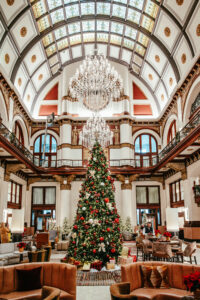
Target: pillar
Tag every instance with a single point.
(3, 195)
(126, 194)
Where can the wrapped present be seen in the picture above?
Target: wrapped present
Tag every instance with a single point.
(86, 267)
(134, 258)
(110, 266)
(112, 261)
(96, 265)
(124, 251)
(123, 260)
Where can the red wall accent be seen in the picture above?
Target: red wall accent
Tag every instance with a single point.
(144, 110)
(46, 110)
(52, 94)
(138, 93)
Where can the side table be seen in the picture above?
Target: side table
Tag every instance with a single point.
(21, 255)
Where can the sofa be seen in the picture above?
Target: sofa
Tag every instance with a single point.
(7, 255)
(132, 273)
(58, 275)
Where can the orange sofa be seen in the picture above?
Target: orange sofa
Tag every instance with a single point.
(58, 275)
(132, 273)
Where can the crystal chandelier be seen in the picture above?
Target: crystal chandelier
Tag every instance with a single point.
(95, 82)
(94, 130)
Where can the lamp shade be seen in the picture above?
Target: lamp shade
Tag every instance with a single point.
(172, 219)
(17, 224)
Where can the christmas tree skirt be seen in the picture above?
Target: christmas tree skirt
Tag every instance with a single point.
(101, 278)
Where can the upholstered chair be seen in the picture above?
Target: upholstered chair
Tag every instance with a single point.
(189, 251)
(50, 293)
(120, 291)
(147, 249)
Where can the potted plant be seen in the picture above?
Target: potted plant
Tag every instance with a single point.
(168, 235)
(157, 233)
(127, 230)
(21, 246)
(192, 282)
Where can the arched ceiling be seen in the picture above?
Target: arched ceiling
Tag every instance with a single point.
(157, 40)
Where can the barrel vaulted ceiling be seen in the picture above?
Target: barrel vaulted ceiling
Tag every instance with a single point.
(157, 40)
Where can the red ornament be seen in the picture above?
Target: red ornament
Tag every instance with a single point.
(101, 239)
(108, 229)
(109, 178)
(106, 200)
(94, 251)
(113, 250)
(75, 227)
(117, 220)
(82, 218)
(73, 242)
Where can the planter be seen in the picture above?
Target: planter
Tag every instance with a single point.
(21, 249)
(127, 236)
(168, 239)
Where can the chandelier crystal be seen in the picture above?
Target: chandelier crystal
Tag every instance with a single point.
(94, 130)
(95, 82)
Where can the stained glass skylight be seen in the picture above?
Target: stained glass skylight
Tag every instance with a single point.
(105, 26)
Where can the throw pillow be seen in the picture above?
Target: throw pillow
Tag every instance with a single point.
(28, 279)
(155, 276)
(163, 271)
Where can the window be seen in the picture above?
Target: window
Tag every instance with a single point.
(148, 195)
(43, 206)
(14, 195)
(50, 150)
(176, 193)
(146, 150)
(19, 132)
(44, 196)
(172, 132)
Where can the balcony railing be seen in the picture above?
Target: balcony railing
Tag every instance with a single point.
(135, 163)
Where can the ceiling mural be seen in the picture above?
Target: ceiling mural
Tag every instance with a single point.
(156, 40)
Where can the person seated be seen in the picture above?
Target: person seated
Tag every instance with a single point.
(4, 233)
(148, 229)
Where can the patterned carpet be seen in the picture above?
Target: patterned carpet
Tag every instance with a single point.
(102, 278)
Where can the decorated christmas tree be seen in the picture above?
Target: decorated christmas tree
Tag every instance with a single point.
(96, 230)
(66, 228)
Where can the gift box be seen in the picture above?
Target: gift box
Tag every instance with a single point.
(110, 266)
(96, 265)
(86, 267)
(124, 260)
(124, 251)
(112, 261)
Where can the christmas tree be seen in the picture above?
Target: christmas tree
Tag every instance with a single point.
(96, 230)
(128, 226)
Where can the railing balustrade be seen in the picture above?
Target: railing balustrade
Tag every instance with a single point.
(134, 163)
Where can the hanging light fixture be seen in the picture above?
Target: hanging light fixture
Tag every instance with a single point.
(95, 82)
(94, 130)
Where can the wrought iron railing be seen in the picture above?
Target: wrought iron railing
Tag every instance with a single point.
(135, 163)
(11, 138)
(195, 105)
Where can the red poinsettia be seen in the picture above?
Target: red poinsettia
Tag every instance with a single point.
(192, 281)
(157, 232)
(21, 245)
(167, 234)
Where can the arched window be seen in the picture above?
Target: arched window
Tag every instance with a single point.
(19, 132)
(171, 132)
(50, 149)
(146, 150)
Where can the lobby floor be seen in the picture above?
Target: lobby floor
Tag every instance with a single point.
(93, 293)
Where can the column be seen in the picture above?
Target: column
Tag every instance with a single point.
(64, 205)
(3, 195)
(126, 194)
(65, 138)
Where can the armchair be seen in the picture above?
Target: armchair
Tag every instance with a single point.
(121, 291)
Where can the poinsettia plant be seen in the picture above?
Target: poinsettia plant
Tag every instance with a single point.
(21, 245)
(167, 234)
(192, 281)
(157, 232)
